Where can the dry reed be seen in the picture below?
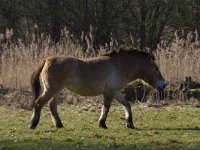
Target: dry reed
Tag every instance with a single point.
(17, 61)
(180, 59)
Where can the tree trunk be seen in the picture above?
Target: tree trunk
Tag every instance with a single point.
(55, 19)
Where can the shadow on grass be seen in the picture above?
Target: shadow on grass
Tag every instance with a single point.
(170, 129)
(184, 129)
(43, 144)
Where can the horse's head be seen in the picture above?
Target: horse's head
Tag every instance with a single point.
(144, 68)
(153, 76)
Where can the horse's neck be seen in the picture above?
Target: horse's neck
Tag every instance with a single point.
(130, 68)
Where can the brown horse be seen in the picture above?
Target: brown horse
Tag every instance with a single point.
(107, 74)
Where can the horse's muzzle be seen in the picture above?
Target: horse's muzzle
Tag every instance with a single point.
(161, 85)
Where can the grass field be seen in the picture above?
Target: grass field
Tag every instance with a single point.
(157, 128)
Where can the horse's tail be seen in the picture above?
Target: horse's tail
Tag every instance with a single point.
(35, 85)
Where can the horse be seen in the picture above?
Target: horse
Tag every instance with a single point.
(107, 75)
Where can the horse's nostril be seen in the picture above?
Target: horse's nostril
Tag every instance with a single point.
(161, 85)
(164, 85)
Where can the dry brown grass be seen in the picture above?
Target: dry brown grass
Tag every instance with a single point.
(18, 61)
(180, 59)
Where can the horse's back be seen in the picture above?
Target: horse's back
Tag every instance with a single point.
(95, 69)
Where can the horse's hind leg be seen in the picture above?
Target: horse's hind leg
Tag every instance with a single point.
(54, 114)
(40, 102)
(105, 109)
(128, 114)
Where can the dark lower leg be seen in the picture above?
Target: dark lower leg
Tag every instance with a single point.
(54, 114)
(130, 122)
(104, 111)
(128, 115)
(35, 118)
(40, 102)
(102, 119)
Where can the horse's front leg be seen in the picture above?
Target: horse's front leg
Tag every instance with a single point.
(105, 109)
(120, 97)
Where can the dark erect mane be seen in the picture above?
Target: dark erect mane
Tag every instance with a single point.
(123, 50)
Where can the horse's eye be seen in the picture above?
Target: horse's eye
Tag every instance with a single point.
(156, 69)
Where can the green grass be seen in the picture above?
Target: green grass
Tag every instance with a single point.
(195, 90)
(163, 128)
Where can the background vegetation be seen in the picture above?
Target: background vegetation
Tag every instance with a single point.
(142, 23)
(31, 30)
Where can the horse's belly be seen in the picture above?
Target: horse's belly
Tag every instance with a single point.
(86, 90)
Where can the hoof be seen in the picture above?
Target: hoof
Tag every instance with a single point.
(31, 127)
(59, 126)
(102, 125)
(131, 126)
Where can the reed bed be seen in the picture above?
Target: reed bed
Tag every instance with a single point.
(18, 59)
